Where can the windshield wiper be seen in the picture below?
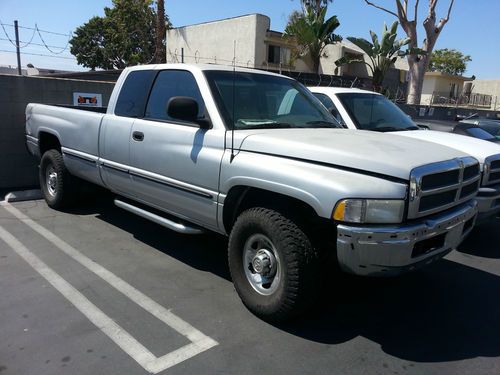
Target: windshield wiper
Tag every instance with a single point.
(264, 125)
(393, 129)
(324, 124)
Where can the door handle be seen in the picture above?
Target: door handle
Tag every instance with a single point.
(138, 136)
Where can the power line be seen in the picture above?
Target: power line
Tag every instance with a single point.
(41, 54)
(6, 34)
(28, 43)
(33, 44)
(38, 31)
(44, 31)
(46, 46)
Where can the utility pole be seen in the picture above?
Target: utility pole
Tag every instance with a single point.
(18, 49)
(161, 53)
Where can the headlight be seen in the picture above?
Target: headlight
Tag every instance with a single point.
(381, 211)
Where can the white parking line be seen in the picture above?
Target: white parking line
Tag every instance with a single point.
(199, 341)
(116, 333)
(483, 264)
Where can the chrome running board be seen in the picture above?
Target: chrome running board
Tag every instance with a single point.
(178, 227)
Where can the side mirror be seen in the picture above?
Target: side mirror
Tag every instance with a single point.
(185, 108)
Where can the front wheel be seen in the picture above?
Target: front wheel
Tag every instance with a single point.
(56, 183)
(273, 264)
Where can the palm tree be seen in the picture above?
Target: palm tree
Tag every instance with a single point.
(382, 55)
(311, 33)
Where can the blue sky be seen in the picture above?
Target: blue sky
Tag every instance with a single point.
(473, 28)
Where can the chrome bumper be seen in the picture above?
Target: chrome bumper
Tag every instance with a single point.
(392, 250)
(488, 202)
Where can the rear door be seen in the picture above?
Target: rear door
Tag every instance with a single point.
(116, 130)
(176, 164)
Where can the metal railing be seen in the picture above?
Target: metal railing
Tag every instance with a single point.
(474, 100)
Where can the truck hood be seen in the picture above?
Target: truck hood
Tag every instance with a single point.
(474, 147)
(384, 154)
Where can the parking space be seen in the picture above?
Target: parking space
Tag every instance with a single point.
(96, 290)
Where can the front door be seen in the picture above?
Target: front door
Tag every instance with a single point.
(175, 165)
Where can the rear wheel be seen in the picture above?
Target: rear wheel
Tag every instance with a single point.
(273, 264)
(56, 183)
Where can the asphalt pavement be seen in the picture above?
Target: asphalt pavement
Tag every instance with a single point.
(97, 290)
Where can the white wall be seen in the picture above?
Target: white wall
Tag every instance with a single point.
(427, 89)
(213, 42)
(488, 87)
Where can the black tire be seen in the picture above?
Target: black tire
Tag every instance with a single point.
(61, 194)
(299, 265)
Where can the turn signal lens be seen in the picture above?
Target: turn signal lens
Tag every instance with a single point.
(339, 213)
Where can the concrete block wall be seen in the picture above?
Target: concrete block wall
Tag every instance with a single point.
(18, 169)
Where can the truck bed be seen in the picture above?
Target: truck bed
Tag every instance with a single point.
(77, 129)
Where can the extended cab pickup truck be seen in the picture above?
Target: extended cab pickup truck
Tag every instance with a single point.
(367, 110)
(287, 186)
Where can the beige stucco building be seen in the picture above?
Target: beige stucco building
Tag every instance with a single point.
(442, 88)
(249, 41)
(257, 46)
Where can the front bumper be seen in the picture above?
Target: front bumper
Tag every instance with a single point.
(392, 250)
(488, 202)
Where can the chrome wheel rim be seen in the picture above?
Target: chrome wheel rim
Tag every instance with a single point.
(261, 263)
(51, 180)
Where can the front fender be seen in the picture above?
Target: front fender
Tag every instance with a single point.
(319, 186)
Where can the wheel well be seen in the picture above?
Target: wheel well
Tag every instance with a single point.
(47, 141)
(241, 198)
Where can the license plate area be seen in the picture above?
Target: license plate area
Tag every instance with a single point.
(429, 244)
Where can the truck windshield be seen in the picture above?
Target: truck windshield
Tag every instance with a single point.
(263, 101)
(375, 112)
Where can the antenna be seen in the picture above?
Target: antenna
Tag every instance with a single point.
(234, 97)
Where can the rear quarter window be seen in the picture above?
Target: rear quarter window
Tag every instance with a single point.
(134, 93)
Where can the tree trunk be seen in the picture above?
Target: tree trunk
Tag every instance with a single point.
(418, 67)
(160, 54)
(316, 63)
(377, 80)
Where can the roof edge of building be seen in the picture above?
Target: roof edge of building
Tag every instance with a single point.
(220, 20)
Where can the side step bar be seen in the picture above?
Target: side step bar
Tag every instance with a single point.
(178, 227)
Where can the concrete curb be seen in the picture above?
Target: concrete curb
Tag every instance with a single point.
(24, 195)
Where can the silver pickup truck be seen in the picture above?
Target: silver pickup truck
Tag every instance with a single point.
(205, 147)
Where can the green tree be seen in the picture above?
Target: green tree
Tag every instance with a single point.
(449, 61)
(381, 54)
(125, 36)
(311, 32)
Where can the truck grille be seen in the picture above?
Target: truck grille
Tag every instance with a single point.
(491, 170)
(439, 186)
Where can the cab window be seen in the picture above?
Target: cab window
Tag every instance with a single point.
(170, 83)
(134, 93)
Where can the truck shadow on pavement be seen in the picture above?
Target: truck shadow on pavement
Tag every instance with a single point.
(445, 312)
(205, 252)
(484, 240)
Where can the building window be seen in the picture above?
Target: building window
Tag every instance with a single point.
(278, 54)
